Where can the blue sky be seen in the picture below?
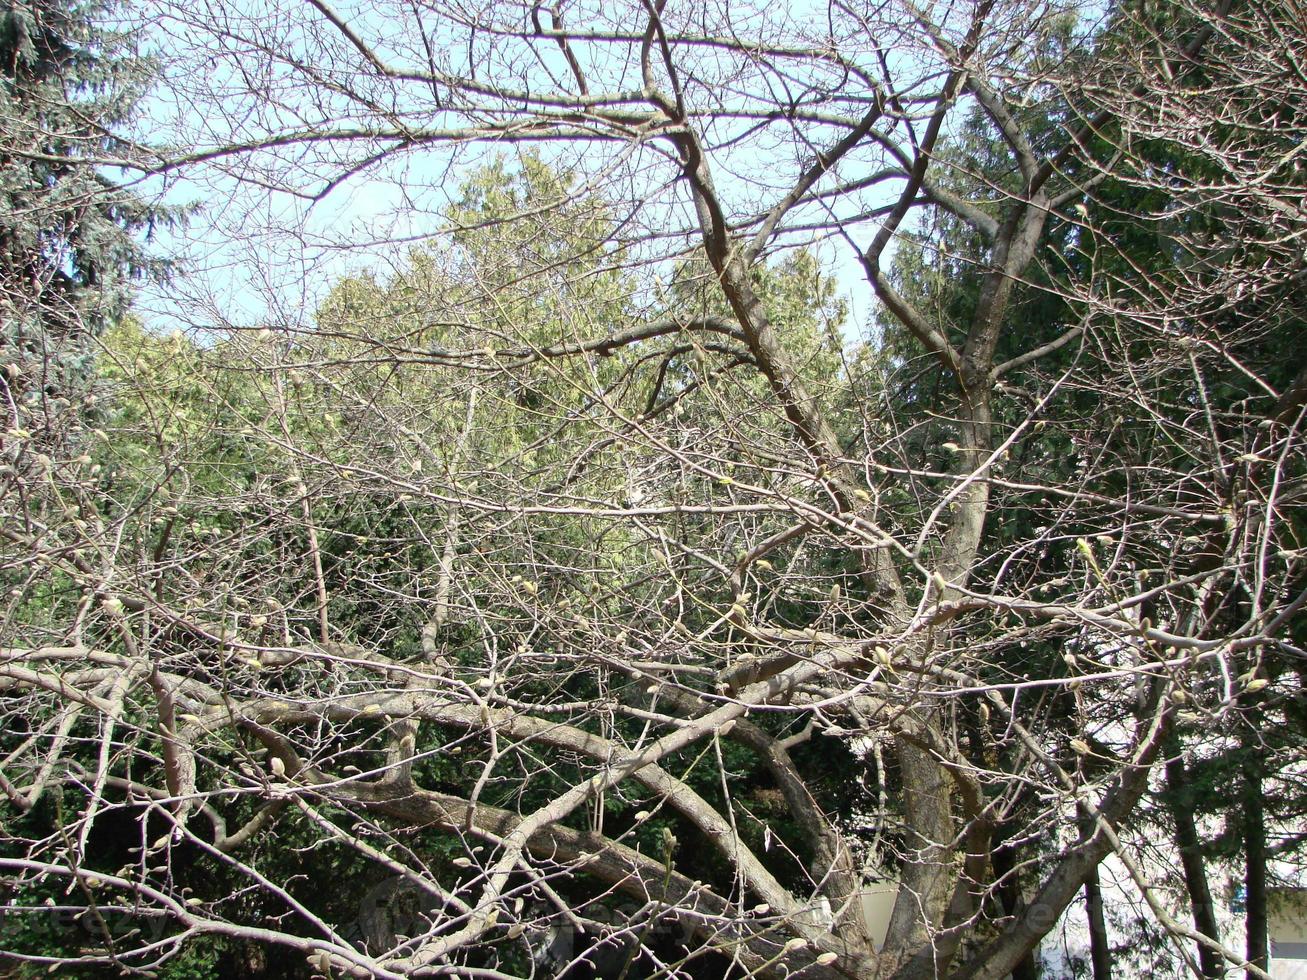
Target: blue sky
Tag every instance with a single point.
(254, 257)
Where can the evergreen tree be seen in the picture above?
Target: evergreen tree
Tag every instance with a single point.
(1154, 235)
(68, 244)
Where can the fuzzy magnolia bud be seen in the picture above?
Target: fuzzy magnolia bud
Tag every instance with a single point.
(320, 962)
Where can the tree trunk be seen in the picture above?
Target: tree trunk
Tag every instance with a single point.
(927, 875)
(1009, 896)
(1254, 832)
(1179, 800)
(1100, 953)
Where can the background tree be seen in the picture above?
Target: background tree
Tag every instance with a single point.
(566, 578)
(68, 249)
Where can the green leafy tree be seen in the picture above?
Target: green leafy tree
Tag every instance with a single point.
(69, 234)
(1156, 248)
(565, 578)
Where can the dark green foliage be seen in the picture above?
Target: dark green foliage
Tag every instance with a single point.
(1192, 326)
(68, 232)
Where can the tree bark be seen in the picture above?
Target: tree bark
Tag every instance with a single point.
(927, 875)
(1254, 832)
(1010, 899)
(1100, 951)
(1179, 799)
